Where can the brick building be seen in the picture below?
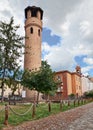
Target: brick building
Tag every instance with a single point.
(71, 83)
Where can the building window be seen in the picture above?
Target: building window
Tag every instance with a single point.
(58, 78)
(31, 30)
(38, 32)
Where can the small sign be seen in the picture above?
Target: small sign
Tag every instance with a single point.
(23, 94)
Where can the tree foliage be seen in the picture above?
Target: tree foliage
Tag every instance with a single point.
(13, 81)
(43, 80)
(11, 45)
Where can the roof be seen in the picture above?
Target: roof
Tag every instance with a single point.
(66, 71)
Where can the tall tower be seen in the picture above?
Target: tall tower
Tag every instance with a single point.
(33, 33)
(78, 69)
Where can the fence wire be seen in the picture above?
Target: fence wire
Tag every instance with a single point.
(21, 114)
(2, 109)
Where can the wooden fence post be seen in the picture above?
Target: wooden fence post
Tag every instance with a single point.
(68, 103)
(78, 102)
(82, 101)
(6, 115)
(33, 110)
(49, 106)
(74, 103)
(61, 105)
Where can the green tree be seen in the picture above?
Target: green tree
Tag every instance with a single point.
(42, 81)
(13, 81)
(47, 78)
(11, 45)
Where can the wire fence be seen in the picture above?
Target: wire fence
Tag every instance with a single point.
(48, 106)
(21, 114)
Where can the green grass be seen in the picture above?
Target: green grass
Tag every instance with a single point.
(41, 112)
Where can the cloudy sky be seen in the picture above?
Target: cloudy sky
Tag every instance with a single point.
(67, 37)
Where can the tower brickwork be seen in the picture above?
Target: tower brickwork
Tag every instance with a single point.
(33, 33)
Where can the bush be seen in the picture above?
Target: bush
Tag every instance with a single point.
(72, 96)
(88, 94)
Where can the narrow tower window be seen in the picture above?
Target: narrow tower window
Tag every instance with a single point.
(31, 30)
(38, 32)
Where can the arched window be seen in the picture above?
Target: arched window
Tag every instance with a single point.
(38, 32)
(31, 30)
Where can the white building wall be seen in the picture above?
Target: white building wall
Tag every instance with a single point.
(90, 85)
(85, 84)
(8, 91)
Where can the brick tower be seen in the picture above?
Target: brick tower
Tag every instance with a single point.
(78, 69)
(33, 33)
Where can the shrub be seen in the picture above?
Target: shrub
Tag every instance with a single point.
(88, 94)
(71, 96)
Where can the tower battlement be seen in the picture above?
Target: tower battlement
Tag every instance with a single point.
(33, 10)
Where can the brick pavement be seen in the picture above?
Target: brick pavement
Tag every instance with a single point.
(80, 118)
(85, 122)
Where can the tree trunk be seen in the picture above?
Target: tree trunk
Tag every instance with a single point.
(2, 93)
(2, 87)
(13, 92)
(37, 97)
(48, 97)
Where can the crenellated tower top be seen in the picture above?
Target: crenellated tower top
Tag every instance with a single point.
(33, 11)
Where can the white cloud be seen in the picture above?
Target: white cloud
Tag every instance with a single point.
(65, 28)
(46, 47)
(58, 57)
(85, 28)
(86, 69)
(88, 61)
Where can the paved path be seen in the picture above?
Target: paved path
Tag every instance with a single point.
(80, 118)
(85, 122)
